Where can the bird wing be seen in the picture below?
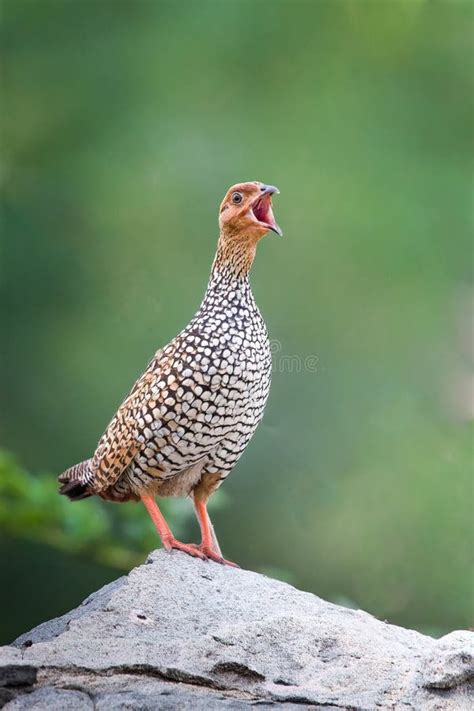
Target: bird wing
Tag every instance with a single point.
(121, 441)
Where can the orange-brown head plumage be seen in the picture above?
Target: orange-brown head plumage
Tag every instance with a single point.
(247, 210)
(245, 216)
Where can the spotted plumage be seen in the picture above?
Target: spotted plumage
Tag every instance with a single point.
(189, 417)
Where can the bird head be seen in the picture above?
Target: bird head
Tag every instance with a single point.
(246, 210)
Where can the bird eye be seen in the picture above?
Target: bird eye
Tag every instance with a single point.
(236, 198)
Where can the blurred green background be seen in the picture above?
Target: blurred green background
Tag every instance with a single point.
(123, 123)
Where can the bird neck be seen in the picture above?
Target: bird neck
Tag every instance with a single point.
(234, 256)
(230, 271)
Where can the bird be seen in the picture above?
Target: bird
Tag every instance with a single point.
(191, 414)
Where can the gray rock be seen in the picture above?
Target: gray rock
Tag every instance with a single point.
(179, 633)
(51, 698)
(451, 662)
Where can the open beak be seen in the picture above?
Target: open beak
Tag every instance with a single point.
(262, 208)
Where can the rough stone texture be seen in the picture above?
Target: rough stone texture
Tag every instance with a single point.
(179, 633)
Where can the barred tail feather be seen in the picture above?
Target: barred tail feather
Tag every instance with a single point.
(74, 481)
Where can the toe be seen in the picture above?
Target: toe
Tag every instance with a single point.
(211, 555)
(188, 548)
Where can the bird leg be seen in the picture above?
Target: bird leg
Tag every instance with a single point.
(209, 545)
(168, 540)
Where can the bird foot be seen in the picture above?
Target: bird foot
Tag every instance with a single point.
(212, 555)
(189, 548)
(201, 551)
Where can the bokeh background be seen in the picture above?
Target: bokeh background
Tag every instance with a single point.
(123, 123)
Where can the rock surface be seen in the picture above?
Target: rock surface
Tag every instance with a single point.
(179, 633)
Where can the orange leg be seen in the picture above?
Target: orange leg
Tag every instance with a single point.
(209, 545)
(168, 540)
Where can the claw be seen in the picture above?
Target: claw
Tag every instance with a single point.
(189, 548)
(212, 555)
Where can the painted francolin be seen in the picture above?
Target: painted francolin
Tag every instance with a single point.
(189, 417)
